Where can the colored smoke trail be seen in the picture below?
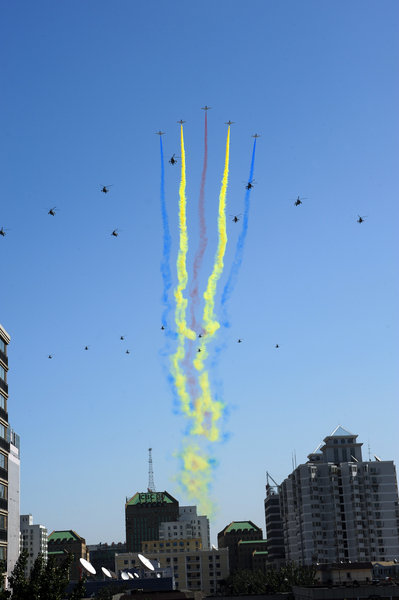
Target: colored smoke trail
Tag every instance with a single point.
(207, 411)
(202, 232)
(203, 240)
(239, 253)
(196, 475)
(167, 241)
(183, 331)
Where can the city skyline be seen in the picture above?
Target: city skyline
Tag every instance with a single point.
(86, 89)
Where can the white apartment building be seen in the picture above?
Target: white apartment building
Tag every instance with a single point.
(33, 539)
(13, 535)
(189, 526)
(336, 507)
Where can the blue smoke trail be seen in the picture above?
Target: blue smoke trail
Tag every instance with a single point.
(167, 242)
(239, 253)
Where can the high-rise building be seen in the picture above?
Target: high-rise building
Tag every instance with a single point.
(13, 530)
(144, 512)
(4, 443)
(336, 507)
(274, 526)
(189, 525)
(33, 540)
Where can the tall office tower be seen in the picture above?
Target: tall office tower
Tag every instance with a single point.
(189, 525)
(4, 442)
(274, 526)
(13, 530)
(144, 513)
(336, 507)
(33, 540)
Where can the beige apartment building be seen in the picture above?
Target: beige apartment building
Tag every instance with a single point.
(193, 568)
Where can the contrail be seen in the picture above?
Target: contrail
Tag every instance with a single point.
(183, 331)
(238, 256)
(207, 412)
(167, 241)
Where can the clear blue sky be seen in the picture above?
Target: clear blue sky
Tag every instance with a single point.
(84, 87)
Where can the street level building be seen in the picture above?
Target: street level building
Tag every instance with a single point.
(336, 507)
(193, 569)
(144, 513)
(33, 540)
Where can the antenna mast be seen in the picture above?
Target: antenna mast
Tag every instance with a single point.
(151, 484)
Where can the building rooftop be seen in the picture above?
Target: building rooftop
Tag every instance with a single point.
(252, 542)
(339, 431)
(151, 498)
(240, 526)
(64, 536)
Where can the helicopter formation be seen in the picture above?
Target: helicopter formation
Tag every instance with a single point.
(86, 348)
(105, 189)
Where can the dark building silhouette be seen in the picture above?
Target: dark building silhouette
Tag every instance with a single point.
(60, 542)
(242, 538)
(144, 513)
(274, 528)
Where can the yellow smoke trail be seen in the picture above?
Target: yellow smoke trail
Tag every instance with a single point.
(196, 477)
(183, 331)
(207, 411)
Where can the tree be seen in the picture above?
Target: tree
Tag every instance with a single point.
(46, 581)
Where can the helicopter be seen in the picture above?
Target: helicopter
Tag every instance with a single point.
(105, 188)
(239, 341)
(277, 346)
(86, 347)
(127, 352)
(359, 220)
(235, 218)
(173, 160)
(115, 233)
(250, 184)
(298, 201)
(199, 350)
(162, 327)
(3, 231)
(50, 356)
(122, 337)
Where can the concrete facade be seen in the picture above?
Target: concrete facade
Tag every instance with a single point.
(336, 507)
(194, 570)
(189, 525)
(33, 540)
(13, 531)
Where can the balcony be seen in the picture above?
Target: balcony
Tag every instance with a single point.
(4, 357)
(3, 444)
(3, 535)
(3, 474)
(4, 414)
(3, 386)
(3, 504)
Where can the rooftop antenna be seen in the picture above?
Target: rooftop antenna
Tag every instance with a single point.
(151, 484)
(368, 445)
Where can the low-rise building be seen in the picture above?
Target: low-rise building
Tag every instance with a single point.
(61, 542)
(193, 569)
(234, 534)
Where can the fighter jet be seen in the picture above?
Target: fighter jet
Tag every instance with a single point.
(3, 231)
(239, 341)
(115, 233)
(298, 201)
(277, 346)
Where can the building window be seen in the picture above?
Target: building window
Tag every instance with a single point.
(2, 402)
(3, 522)
(3, 461)
(3, 491)
(2, 373)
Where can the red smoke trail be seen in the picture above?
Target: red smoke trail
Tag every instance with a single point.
(203, 240)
